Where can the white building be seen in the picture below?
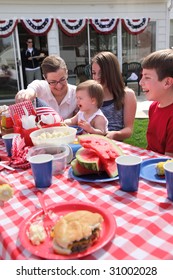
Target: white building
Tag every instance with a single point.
(77, 29)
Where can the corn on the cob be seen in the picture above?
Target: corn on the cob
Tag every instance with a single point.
(160, 167)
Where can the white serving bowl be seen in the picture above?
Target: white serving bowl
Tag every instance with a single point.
(53, 136)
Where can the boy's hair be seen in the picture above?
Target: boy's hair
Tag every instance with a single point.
(53, 63)
(95, 90)
(161, 61)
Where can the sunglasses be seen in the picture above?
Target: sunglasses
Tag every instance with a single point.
(29, 41)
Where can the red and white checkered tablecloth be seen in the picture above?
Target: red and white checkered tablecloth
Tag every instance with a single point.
(144, 219)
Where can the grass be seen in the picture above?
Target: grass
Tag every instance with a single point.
(139, 135)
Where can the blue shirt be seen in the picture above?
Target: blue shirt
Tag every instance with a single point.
(114, 116)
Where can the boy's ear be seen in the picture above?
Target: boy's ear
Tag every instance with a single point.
(168, 82)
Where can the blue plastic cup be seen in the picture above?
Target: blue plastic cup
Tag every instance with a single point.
(128, 172)
(41, 166)
(8, 141)
(168, 167)
(75, 148)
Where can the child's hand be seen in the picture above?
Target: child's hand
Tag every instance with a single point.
(85, 125)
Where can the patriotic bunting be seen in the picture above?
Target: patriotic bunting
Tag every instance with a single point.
(7, 27)
(135, 26)
(37, 26)
(72, 27)
(105, 25)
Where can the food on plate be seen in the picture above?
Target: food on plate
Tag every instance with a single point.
(89, 159)
(160, 167)
(97, 154)
(76, 231)
(6, 192)
(104, 147)
(80, 170)
(36, 233)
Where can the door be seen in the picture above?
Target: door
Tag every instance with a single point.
(11, 79)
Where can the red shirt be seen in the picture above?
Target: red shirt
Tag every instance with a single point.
(160, 129)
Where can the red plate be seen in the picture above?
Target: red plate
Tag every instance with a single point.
(45, 250)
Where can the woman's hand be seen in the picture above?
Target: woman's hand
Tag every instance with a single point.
(114, 135)
(25, 94)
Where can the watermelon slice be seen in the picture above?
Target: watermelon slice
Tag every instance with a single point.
(105, 148)
(88, 162)
(110, 167)
(102, 147)
(89, 159)
(79, 169)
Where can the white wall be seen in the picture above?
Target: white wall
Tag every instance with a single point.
(156, 11)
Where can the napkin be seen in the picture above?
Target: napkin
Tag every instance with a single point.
(18, 110)
(48, 115)
(19, 153)
(50, 119)
(28, 121)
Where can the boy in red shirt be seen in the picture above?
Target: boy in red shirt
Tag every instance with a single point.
(157, 84)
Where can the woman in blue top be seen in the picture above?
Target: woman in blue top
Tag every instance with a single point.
(119, 104)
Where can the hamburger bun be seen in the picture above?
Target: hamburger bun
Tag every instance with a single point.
(76, 231)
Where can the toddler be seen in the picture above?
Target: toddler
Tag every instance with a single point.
(89, 96)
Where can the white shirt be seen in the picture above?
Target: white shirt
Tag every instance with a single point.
(68, 104)
(81, 116)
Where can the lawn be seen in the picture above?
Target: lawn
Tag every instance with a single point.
(139, 135)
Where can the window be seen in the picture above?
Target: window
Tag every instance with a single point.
(137, 46)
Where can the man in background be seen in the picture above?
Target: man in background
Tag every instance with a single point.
(31, 61)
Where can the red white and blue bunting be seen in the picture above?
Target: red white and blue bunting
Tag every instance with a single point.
(72, 27)
(135, 26)
(104, 25)
(37, 26)
(7, 27)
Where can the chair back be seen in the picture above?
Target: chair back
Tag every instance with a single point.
(134, 67)
(125, 70)
(79, 70)
(131, 72)
(88, 71)
(72, 79)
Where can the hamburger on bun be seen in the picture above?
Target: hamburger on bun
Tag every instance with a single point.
(76, 231)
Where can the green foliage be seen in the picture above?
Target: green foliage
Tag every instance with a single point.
(139, 135)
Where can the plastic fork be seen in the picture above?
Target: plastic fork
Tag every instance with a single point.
(47, 221)
(6, 166)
